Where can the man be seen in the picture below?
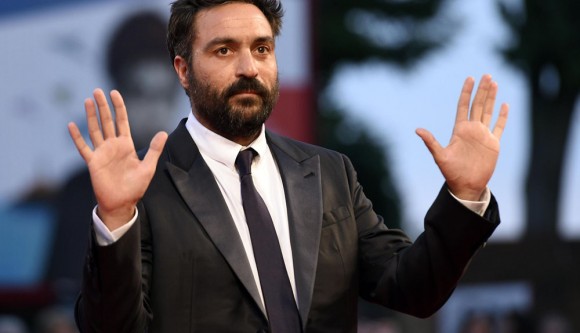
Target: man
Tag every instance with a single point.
(175, 246)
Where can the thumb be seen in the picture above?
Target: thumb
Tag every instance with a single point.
(429, 141)
(155, 149)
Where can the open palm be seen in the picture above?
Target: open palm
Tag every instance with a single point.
(118, 176)
(469, 160)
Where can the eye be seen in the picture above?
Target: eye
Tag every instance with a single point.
(223, 51)
(262, 49)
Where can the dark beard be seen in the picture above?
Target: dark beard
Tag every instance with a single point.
(240, 119)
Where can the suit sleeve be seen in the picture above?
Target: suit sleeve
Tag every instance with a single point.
(417, 277)
(114, 296)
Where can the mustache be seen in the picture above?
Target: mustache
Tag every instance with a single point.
(244, 85)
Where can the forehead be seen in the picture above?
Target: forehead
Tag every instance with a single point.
(232, 20)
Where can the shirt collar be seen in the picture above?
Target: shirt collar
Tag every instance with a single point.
(219, 148)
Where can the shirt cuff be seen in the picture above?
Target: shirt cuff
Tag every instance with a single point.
(104, 235)
(478, 207)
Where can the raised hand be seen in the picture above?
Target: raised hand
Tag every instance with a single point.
(468, 161)
(118, 176)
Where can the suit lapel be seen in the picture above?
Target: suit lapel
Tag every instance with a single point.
(196, 184)
(302, 184)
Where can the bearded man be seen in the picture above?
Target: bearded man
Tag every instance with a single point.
(223, 226)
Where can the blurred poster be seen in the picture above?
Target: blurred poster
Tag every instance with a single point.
(55, 53)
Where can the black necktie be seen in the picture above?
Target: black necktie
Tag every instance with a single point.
(278, 297)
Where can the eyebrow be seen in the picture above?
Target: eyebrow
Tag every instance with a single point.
(229, 40)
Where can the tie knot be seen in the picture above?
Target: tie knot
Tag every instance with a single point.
(244, 161)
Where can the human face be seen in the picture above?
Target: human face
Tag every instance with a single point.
(233, 80)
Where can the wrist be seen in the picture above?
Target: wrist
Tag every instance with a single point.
(116, 218)
(467, 194)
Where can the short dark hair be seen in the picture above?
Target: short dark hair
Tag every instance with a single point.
(180, 31)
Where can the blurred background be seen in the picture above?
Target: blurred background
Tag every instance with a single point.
(358, 77)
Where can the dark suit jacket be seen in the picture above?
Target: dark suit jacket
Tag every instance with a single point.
(182, 267)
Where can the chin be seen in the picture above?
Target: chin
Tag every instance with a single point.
(246, 111)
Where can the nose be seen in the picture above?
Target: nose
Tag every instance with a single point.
(247, 66)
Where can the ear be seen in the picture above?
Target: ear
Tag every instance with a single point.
(182, 70)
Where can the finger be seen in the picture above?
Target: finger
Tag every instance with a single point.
(121, 117)
(107, 125)
(501, 120)
(480, 97)
(430, 141)
(84, 149)
(464, 98)
(93, 123)
(489, 104)
(155, 149)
